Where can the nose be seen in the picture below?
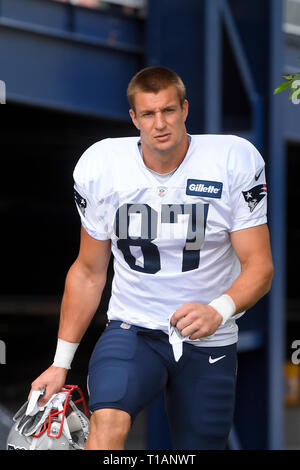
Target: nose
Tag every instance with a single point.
(159, 122)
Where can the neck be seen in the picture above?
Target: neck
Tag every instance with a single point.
(165, 161)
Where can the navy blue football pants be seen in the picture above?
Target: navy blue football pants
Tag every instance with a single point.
(130, 367)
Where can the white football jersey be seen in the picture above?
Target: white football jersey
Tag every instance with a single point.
(171, 241)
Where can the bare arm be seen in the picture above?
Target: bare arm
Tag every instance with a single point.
(84, 285)
(252, 247)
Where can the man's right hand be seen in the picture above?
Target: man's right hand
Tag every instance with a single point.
(52, 380)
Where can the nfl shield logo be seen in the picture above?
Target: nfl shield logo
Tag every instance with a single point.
(162, 190)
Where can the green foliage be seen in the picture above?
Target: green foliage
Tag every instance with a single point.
(292, 83)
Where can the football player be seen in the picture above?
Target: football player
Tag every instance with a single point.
(185, 217)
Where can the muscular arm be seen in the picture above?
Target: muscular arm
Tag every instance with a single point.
(252, 247)
(84, 285)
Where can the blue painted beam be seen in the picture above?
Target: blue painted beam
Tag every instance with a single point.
(85, 70)
(237, 47)
(245, 72)
(41, 12)
(212, 70)
(112, 28)
(174, 38)
(277, 224)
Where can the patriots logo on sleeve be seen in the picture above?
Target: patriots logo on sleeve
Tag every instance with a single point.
(254, 195)
(80, 201)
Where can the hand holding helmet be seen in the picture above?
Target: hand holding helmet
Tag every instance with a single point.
(59, 425)
(51, 380)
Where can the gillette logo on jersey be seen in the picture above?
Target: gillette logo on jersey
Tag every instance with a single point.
(204, 188)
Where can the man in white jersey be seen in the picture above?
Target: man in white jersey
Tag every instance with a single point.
(185, 219)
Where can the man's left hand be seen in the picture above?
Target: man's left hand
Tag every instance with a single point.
(195, 320)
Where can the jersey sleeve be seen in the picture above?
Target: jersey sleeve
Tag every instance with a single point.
(248, 188)
(87, 182)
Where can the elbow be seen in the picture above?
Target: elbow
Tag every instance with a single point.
(269, 274)
(82, 274)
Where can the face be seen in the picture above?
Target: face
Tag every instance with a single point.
(160, 119)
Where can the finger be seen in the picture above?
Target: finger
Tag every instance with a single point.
(184, 322)
(189, 331)
(195, 336)
(181, 312)
(50, 390)
(199, 333)
(44, 399)
(202, 333)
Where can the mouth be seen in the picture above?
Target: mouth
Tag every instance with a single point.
(162, 137)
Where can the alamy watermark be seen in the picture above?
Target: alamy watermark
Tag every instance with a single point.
(2, 92)
(296, 354)
(295, 94)
(2, 352)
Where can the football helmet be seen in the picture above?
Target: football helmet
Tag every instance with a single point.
(59, 425)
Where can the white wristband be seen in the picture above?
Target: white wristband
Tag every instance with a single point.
(225, 306)
(64, 354)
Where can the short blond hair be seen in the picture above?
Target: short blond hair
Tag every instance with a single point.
(152, 80)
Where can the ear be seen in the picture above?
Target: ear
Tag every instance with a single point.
(185, 109)
(133, 118)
